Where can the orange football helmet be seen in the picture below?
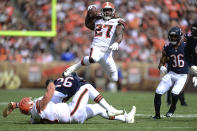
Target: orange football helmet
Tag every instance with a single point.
(108, 10)
(25, 105)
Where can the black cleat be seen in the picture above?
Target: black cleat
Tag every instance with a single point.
(156, 117)
(184, 104)
(168, 114)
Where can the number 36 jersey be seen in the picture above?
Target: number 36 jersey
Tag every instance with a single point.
(104, 31)
(177, 61)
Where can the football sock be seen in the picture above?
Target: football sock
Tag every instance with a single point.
(168, 97)
(181, 98)
(85, 60)
(98, 98)
(173, 105)
(157, 104)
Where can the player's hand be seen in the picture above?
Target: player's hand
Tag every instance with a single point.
(114, 46)
(91, 6)
(195, 81)
(163, 69)
(194, 70)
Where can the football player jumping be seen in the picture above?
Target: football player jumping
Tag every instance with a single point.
(108, 33)
(49, 109)
(177, 70)
(191, 51)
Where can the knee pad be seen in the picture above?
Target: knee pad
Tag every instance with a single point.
(114, 77)
(91, 60)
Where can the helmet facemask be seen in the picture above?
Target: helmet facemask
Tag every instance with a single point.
(174, 39)
(175, 35)
(107, 13)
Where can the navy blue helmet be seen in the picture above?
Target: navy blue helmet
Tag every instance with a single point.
(175, 35)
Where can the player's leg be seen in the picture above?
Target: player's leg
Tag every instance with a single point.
(178, 87)
(110, 68)
(182, 99)
(98, 98)
(78, 105)
(168, 97)
(163, 87)
(85, 61)
(95, 109)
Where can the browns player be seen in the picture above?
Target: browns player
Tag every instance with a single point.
(177, 70)
(108, 33)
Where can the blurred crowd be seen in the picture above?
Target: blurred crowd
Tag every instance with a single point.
(148, 22)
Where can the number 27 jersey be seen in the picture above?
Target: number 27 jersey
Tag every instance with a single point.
(104, 32)
(177, 61)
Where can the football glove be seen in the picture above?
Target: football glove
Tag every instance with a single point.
(91, 6)
(114, 46)
(194, 70)
(195, 81)
(163, 70)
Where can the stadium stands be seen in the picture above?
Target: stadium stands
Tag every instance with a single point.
(146, 33)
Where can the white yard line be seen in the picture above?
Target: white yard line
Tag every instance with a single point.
(175, 115)
(168, 128)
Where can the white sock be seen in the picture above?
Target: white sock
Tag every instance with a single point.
(85, 60)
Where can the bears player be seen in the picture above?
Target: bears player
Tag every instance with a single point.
(108, 33)
(45, 110)
(177, 70)
(191, 51)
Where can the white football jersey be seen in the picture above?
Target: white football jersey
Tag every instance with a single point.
(53, 112)
(104, 32)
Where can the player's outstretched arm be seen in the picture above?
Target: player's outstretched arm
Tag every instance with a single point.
(8, 110)
(91, 17)
(48, 95)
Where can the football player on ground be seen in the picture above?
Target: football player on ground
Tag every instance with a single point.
(177, 70)
(191, 51)
(108, 33)
(47, 109)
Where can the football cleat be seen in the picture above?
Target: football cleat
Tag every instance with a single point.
(130, 117)
(168, 114)
(114, 112)
(71, 69)
(8, 110)
(156, 117)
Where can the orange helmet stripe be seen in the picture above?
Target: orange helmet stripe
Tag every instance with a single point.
(108, 5)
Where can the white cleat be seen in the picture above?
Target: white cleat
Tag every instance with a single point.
(130, 117)
(114, 112)
(67, 72)
(71, 69)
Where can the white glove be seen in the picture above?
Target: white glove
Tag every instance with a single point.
(195, 81)
(91, 6)
(114, 46)
(194, 70)
(163, 69)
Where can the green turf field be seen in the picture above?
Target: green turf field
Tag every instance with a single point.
(185, 118)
